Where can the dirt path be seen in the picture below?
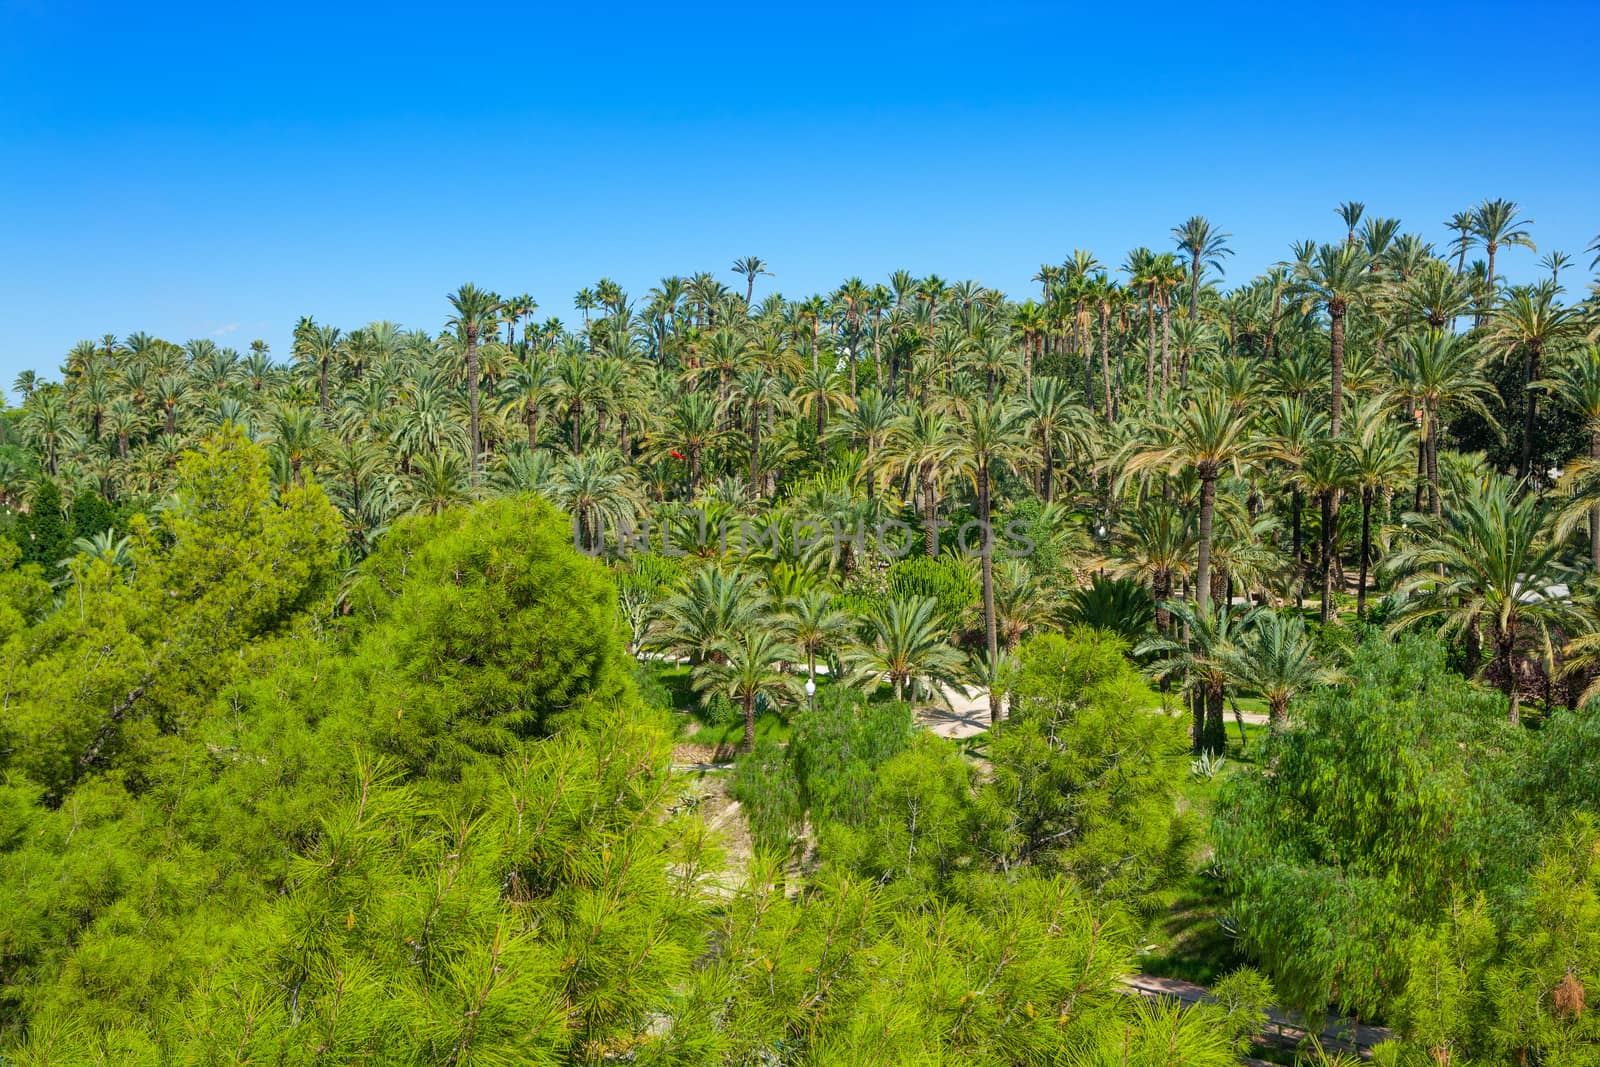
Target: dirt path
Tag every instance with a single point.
(967, 713)
(1283, 1030)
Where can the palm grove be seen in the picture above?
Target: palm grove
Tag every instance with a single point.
(322, 742)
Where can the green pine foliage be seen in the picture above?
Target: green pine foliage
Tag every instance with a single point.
(1410, 854)
(422, 816)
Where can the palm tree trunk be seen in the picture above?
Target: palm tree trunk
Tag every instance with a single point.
(472, 403)
(1278, 713)
(930, 515)
(1336, 357)
(1366, 551)
(1208, 507)
(1166, 350)
(1296, 508)
(1326, 611)
(749, 702)
(755, 451)
(1048, 455)
(1197, 710)
(1594, 512)
(1503, 647)
(1105, 369)
(1530, 408)
(1150, 354)
(986, 558)
(1216, 729)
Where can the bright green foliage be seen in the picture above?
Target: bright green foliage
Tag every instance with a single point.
(24, 594)
(1514, 986)
(920, 828)
(479, 627)
(1025, 975)
(837, 747)
(830, 771)
(947, 579)
(547, 923)
(1084, 772)
(1385, 798)
(130, 656)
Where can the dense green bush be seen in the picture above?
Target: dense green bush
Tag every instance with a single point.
(1411, 854)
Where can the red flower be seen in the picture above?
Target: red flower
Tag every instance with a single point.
(676, 454)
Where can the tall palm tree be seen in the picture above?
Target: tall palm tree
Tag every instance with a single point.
(1336, 276)
(1205, 247)
(748, 666)
(1497, 224)
(1576, 383)
(751, 267)
(1532, 323)
(1209, 437)
(1058, 425)
(922, 445)
(1273, 655)
(1502, 575)
(907, 645)
(1350, 212)
(476, 310)
(1203, 657)
(1156, 543)
(598, 491)
(693, 425)
(1435, 375)
(1378, 457)
(992, 437)
(1324, 473)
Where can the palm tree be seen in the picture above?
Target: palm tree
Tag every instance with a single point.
(907, 645)
(1577, 384)
(922, 445)
(1205, 247)
(1490, 566)
(1292, 429)
(994, 435)
(437, 482)
(1203, 658)
(692, 426)
(1350, 212)
(1324, 473)
(1209, 437)
(1496, 223)
(750, 267)
(747, 666)
(476, 310)
(1462, 225)
(814, 624)
(47, 425)
(1336, 276)
(1272, 655)
(1533, 323)
(820, 389)
(712, 605)
(1437, 374)
(527, 391)
(1377, 456)
(1156, 543)
(1058, 425)
(597, 490)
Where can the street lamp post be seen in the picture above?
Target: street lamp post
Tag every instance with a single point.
(811, 692)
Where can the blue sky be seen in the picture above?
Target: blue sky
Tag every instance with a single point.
(194, 171)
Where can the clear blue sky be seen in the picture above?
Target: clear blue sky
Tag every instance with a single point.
(191, 170)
